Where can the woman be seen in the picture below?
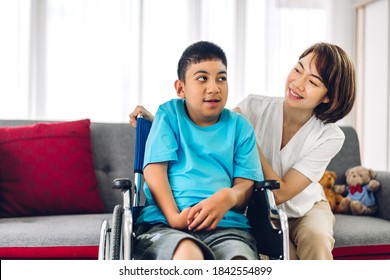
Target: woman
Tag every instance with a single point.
(297, 138)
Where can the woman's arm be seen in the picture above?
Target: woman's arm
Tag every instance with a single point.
(292, 183)
(156, 176)
(207, 214)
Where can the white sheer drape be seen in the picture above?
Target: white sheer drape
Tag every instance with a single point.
(14, 58)
(97, 59)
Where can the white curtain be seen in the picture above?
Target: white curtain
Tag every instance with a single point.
(98, 59)
(14, 58)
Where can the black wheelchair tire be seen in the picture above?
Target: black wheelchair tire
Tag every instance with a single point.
(116, 233)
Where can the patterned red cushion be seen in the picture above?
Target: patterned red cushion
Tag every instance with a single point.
(47, 169)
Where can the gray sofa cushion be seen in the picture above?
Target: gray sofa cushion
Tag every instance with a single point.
(383, 195)
(113, 152)
(352, 230)
(348, 156)
(46, 231)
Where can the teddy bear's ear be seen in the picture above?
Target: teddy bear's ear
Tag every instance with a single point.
(334, 175)
(372, 173)
(347, 172)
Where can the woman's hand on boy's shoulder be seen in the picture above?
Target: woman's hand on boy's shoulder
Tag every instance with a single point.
(237, 110)
(139, 111)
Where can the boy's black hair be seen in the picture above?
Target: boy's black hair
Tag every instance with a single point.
(199, 52)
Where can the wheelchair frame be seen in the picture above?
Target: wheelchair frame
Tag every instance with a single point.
(269, 223)
(116, 242)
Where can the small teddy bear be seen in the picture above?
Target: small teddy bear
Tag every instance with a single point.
(360, 187)
(327, 181)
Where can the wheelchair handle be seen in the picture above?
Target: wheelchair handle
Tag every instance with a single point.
(142, 132)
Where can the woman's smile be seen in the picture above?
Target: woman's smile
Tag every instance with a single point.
(294, 95)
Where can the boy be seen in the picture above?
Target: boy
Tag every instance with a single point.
(199, 167)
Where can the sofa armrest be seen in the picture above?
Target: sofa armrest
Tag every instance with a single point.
(383, 195)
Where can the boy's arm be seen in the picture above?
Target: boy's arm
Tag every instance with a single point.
(156, 176)
(244, 190)
(207, 214)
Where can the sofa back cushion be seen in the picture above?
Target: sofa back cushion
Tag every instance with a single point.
(113, 147)
(349, 155)
(47, 169)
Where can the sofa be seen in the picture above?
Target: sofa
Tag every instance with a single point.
(361, 237)
(73, 232)
(71, 235)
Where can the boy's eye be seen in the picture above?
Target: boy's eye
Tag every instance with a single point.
(202, 78)
(222, 79)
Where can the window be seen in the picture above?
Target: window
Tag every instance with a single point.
(14, 57)
(98, 59)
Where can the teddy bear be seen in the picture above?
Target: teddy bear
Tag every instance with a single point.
(360, 187)
(334, 198)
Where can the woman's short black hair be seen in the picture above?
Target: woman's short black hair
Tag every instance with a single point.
(338, 75)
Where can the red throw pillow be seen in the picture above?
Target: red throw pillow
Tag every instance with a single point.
(47, 169)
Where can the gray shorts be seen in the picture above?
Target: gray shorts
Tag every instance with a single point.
(159, 242)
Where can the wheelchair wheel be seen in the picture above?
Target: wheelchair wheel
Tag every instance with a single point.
(104, 242)
(116, 233)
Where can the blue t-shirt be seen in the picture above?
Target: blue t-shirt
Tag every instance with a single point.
(202, 160)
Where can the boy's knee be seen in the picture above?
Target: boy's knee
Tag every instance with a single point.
(188, 250)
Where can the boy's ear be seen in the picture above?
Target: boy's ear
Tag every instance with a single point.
(179, 86)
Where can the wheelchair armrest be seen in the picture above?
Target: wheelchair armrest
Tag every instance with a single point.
(122, 184)
(269, 223)
(267, 187)
(268, 184)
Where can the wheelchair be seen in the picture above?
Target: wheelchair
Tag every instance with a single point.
(269, 223)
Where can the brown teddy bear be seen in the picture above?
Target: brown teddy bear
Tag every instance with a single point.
(360, 187)
(327, 181)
